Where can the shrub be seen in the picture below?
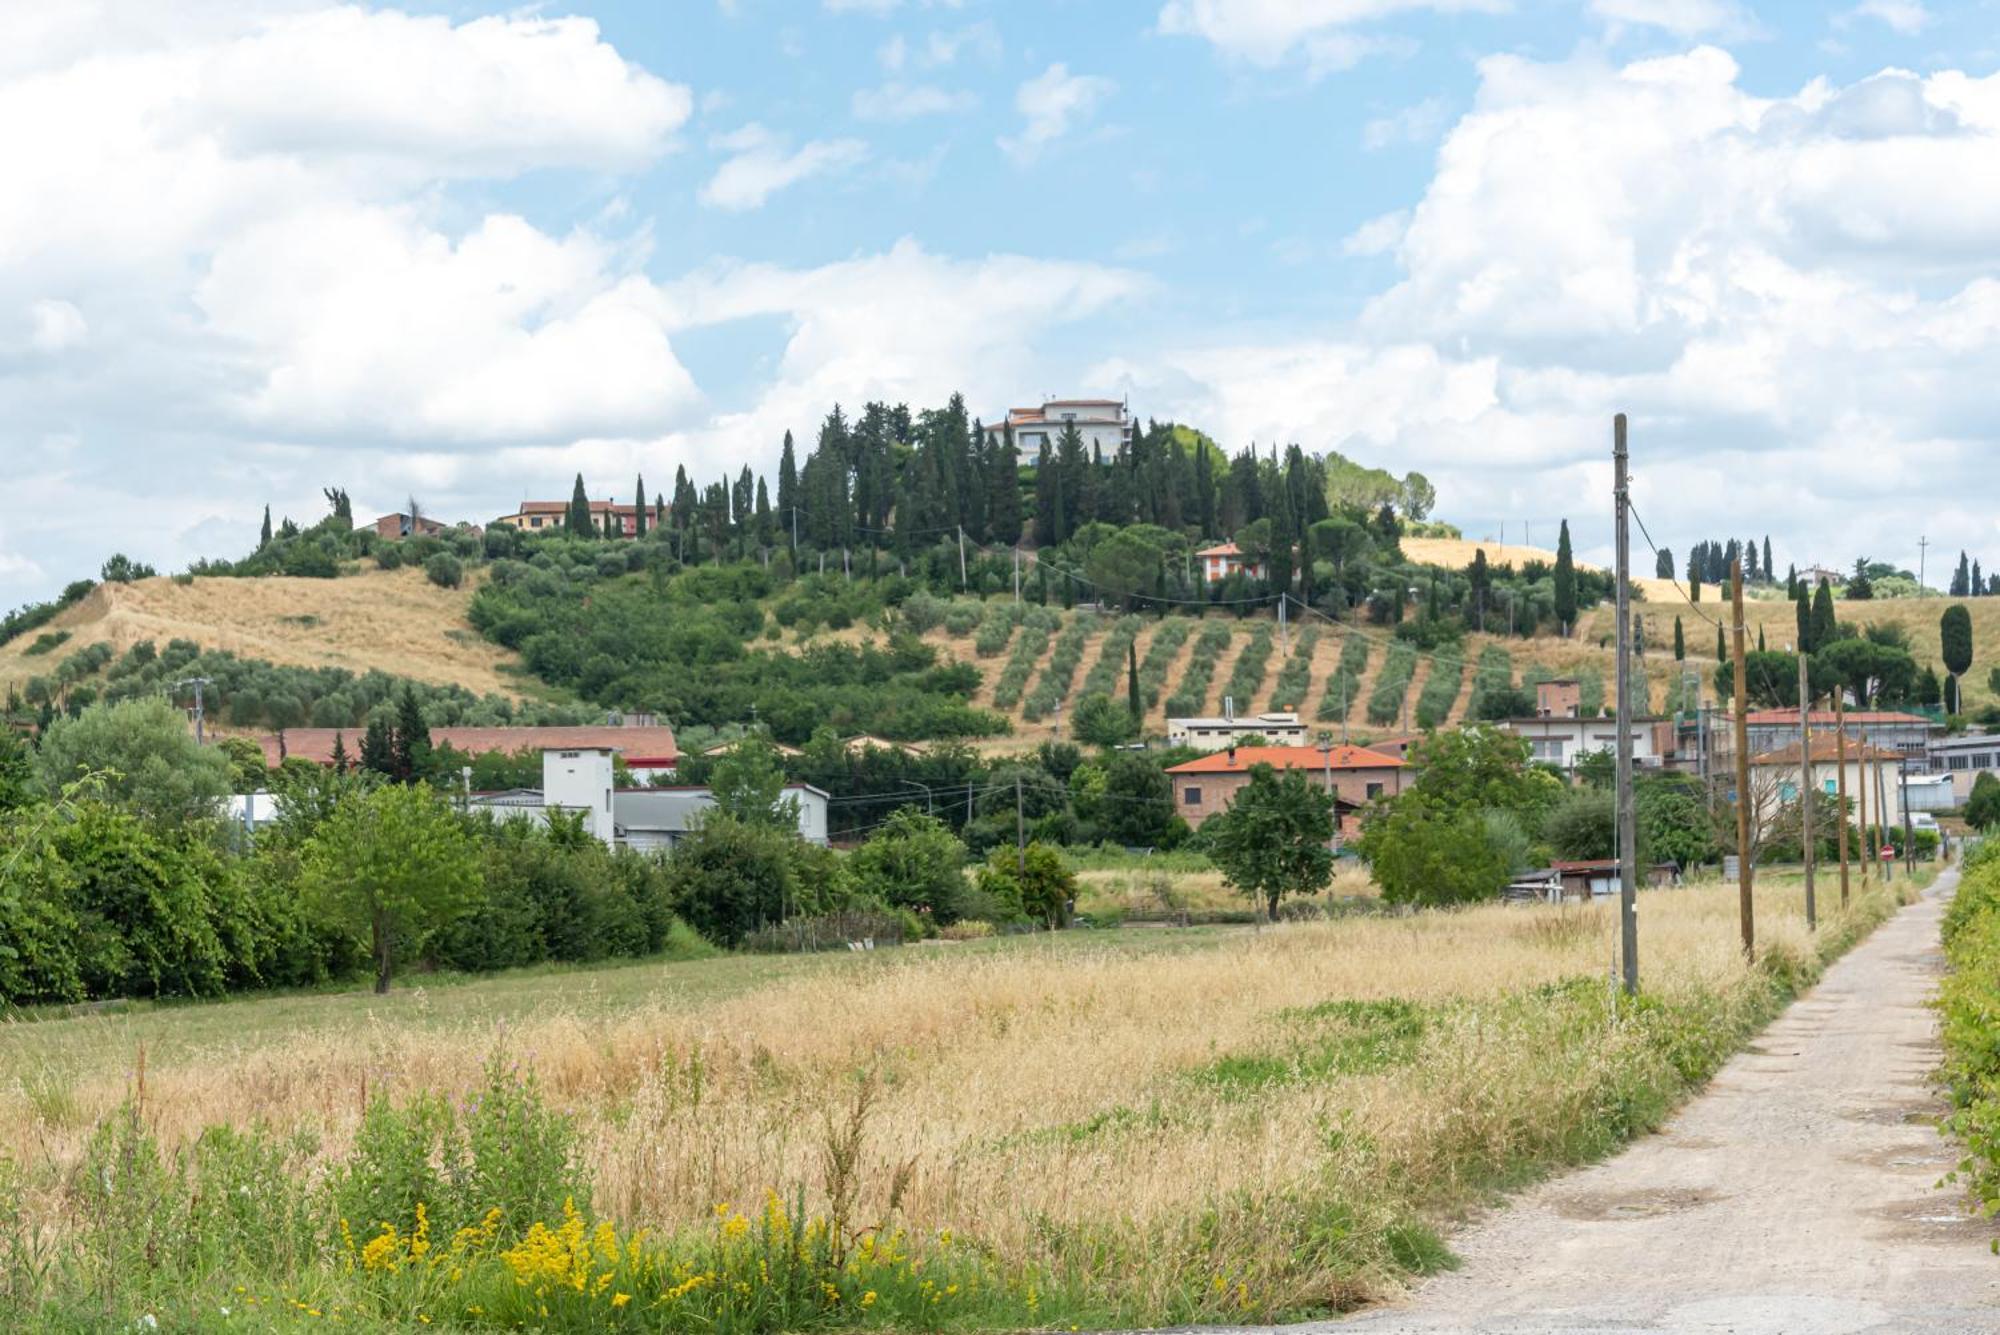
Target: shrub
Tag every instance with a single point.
(445, 570)
(913, 862)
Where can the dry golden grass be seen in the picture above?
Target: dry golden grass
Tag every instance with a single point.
(1037, 1088)
(396, 621)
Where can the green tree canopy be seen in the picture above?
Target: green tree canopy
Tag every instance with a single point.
(748, 783)
(396, 864)
(1955, 635)
(149, 758)
(1273, 841)
(913, 862)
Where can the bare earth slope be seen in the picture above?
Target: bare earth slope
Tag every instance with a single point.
(1799, 1193)
(394, 620)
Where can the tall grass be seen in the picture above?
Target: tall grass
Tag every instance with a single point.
(1106, 1129)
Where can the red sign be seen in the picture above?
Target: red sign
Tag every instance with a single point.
(1888, 853)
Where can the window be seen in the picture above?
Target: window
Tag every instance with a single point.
(1829, 787)
(1374, 791)
(1982, 760)
(1958, 762)
(534, 523)
(1191, 797)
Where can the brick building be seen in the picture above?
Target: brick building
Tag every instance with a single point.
(1356, 776)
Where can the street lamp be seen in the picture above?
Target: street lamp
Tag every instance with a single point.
(930, 807)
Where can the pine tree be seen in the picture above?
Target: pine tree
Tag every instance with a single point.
(378, 748)
(340, 761)
(1680, 643)
(1565, 581)
(578, 522)
(264, 537)
(639, 508)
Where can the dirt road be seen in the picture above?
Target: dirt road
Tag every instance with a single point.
(1797, 1194)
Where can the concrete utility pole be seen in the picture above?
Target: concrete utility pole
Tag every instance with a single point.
(1745, 876)
(1840, 732)
(1020, 832)
(1628, 837)
(1923, 554)
(199, 712)
(1806, 792)
(961, 558)
(1326, 755)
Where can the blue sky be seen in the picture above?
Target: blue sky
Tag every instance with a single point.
(465, 252)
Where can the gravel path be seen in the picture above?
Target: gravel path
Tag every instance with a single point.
(1798, 1193)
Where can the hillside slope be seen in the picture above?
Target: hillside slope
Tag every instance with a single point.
(396, 621)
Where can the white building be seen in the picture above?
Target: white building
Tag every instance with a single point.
(1104, 425)
(1564, 742)
(1965, 759)
(1279, 729)
(646, 819)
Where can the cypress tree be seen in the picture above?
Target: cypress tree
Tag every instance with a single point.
(264, 537)
(1955, 637)
(1804, 610)
(1663, 563)
(788, 482)
(1680, 643)
(1721, 649)
(340, 761)
(1565, 581)
(1823, 624)
(1133, 700)
(639, 509)
(579, 523)
(1978, 588)
(1770, 571)
(1760, 639)
(1204, 483)
(1961, 579)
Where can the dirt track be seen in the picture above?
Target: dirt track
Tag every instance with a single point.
(1798, 1194)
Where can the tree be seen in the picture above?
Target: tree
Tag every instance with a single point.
(145, 757)
(1426, 855)
(1584, 825)
(1860, 588)
(1034, 883)
(1125, 562)
(1274, 839)
(577, 522)
(1824, 626)
(639, 508)
(1955, 636)
(1663, 563)
(396, 863)
(1134, 700)
(748, 784)
(264, 534)
(1770, 572)
(1565, 581)
(1101, 721)
(410, 754)
(378, 748)
(726, 879)
(1982, 809)
(1680, 643)
(913, 862)
(341, 762)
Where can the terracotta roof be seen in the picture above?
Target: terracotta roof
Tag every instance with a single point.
(1591, 864)
(1288, 757)
(639, 746)
(1221, 549)
(1826, 751)
(1827, 717)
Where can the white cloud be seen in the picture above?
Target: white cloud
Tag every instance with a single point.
(1377, 236)
(1682, 18)
(1419, 123)
(58, 325)
(1268, 32)
(1907, 17)
(1050, 104)
(894, 101)
(760, 165)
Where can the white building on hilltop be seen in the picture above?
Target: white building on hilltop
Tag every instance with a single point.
(1104, 425)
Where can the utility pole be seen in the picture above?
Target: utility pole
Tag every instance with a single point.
(1628, 837)
(1882, 816)
(1867, 833)
(1923, 554)
(1840, 732)
(1020, 832)
(199, 713)
(1745, 878)
(1903, 798)
(1284, 639)
(961, 558)
(1017, 577)
(1326, 755)
(1806, 792)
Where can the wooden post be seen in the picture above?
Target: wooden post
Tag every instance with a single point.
(1840, 732)
(1867, 835)
(1806, 793)
(1745, 884)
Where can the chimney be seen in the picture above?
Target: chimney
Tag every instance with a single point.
(1232, 753)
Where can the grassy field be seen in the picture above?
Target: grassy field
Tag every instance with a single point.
(1139, 1126)
(392, 620)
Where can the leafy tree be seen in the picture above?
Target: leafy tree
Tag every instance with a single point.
(727, 878)
(248, 773)
(1273, 840)
(17, 772)
(1101, 721)
(913, 862)
(1034, 883)
(1134, 804)
(748, 783)
(1127, 561)
(1583, 825)
(395, 863)
(1565, 581)
(444, 570)
(122, 569)
(1955, 635)
(1427, 855)
(149, 761)
(1982, 809)
(1673, 820)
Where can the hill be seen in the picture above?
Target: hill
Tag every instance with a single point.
(395, 621)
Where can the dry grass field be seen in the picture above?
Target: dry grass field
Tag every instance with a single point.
(1165, 1125)
(392, 620)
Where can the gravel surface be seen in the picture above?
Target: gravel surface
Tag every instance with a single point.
(1799, 1193)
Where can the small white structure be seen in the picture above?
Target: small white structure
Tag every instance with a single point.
(1564, 742)
(1277, 728)
(1964, 759)
(647, 819)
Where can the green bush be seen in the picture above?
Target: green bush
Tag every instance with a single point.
(445, 570)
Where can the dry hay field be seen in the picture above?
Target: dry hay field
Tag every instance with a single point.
(396, 621)
(1151, 1126)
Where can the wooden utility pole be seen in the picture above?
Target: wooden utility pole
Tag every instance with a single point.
(1628, 838)
(1867, 835)
(1806, 792)
(1020, 832)
(1840, 732)
(1745, 877)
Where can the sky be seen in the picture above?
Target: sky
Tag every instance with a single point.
(251, 249)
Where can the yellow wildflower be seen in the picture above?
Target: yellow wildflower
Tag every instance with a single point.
(868, 1298)
(620, 1299)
